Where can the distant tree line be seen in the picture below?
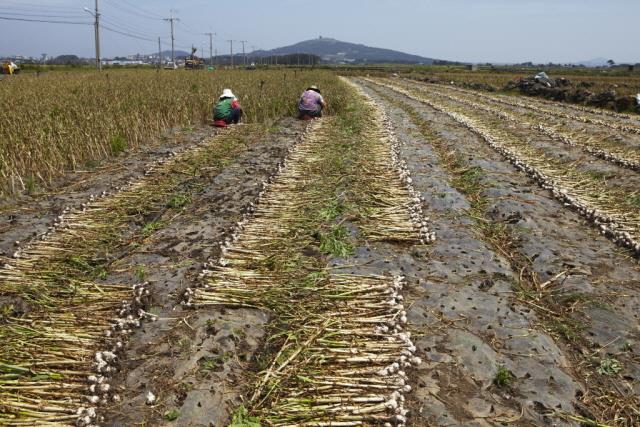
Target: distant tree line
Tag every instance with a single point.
(69, 60)
(292, 59)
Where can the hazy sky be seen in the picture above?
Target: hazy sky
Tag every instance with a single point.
(464, 30)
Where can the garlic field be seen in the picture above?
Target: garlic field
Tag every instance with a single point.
(423, 255)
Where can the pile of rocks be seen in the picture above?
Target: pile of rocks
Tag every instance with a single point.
(564, 90)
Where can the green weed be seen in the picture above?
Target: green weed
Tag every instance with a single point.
(503, 377)
(141, 272)
(633, 200)
(117, 144)
(332, 211)
(184, 344)
(468, 181)
(241, 418)
(335, 242)
(609, 366)
(30, 185)
(211, 364)
(101, 273)
(179, 201)
(171, 415)
(312, 279)
(151, 227)
(566, 328)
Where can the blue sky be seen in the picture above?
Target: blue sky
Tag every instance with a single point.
(465, 30)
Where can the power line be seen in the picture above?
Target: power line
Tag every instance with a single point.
(147, 12)
(131, 11)
(125, 27)
(132, 24)
(43, 20)
(104, 27)
(9, 3)
(187, 30)
(36, 10)
(42, 15)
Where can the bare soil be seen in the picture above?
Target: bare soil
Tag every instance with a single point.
(465, 305)
(514, 310)
(192, 363)
(30, 215)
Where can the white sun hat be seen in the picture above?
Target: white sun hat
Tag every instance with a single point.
(227, 94)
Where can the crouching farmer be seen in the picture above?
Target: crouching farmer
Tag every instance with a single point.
(227, 110)
(311, 104)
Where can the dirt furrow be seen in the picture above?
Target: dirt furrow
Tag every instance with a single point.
(56, 290)
(338, 352)
(31, 215)
(610, 209)
(627, 158)
(590, 309)
(195, 363)
(630, 126)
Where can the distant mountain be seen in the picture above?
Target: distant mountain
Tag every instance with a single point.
(335, 51)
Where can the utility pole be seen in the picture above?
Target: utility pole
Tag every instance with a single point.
(210, 47)
(231, 43)
(244, 55)
(173, 54)
(98, 62)
(159, 54)
(96, 15)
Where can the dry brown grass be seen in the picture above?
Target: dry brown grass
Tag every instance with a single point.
(62, 121)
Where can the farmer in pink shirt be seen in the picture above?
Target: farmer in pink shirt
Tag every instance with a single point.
(311, 104)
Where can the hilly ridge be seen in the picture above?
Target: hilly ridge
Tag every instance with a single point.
(336, 51)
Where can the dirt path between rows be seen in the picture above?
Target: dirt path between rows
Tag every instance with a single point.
(467, 307)
(610, 173)
(29, 216)
(152, 231)
(289, 276)
(195, 363)
(336, 352)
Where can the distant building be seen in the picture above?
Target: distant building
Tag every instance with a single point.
(122, 62)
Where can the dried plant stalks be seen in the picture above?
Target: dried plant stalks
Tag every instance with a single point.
(344, 357)
(627, 158)
(625, 123)
(59, 353)
(605, 208)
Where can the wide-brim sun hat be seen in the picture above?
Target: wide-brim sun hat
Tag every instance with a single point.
(227, 94)
(314, 88)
